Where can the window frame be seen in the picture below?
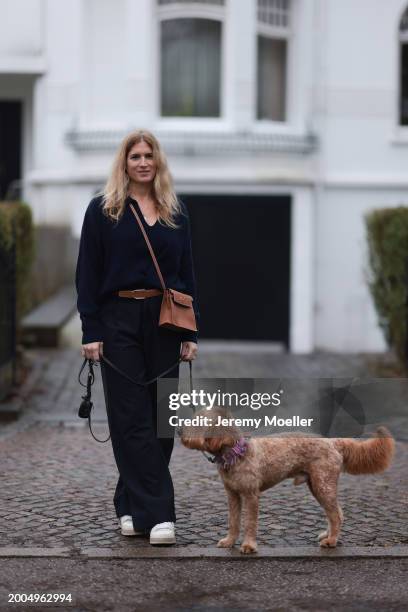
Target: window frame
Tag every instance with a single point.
(281, 33)
(402, 40)
(191, 11)
(399, 133)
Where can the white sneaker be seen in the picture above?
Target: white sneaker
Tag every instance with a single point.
(163, 533)
(126, 526)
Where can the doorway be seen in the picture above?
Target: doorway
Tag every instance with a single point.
(241, 250)
(10, 147)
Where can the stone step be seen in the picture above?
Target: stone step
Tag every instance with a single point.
(42, 326)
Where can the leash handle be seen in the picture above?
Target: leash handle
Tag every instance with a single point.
(91, 379)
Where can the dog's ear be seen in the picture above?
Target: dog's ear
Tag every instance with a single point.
(213, 444)
(216, 443)
(193, 442)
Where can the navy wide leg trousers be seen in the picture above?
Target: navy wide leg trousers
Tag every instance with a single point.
(134, 342)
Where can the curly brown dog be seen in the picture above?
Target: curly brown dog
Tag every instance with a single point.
(250, 466)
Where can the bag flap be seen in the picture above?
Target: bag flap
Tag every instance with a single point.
(181, 298)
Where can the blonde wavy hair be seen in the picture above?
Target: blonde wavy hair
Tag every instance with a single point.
(115, 191)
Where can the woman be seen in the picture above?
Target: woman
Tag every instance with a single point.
(113, 256)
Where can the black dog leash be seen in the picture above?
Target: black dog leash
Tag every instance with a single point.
(85, 408)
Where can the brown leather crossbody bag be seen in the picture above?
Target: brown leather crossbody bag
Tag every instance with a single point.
(176, 311)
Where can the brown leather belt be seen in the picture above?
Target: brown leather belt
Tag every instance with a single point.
(140, 294)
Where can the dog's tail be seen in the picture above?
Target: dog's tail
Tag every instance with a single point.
(367, 456)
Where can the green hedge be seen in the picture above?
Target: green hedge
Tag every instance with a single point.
(387, 235)
(16, 226)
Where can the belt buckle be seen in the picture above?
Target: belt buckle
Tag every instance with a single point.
(138, 298)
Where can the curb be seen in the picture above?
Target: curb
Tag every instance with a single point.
(196, 552)
(13, 552)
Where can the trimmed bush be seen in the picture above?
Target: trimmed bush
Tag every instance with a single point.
(387, 236)
(16, 227)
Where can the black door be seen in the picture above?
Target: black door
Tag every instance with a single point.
(10, 146)
(241, 247)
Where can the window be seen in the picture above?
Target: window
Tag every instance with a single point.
(190, 52)
(190, 68)
(271, 78)
(403, 114)
(274, 12)
(272, 53)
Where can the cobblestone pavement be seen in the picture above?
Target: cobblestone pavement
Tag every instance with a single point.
(57, 483)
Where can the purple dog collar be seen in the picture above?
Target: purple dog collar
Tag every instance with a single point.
(231, 456)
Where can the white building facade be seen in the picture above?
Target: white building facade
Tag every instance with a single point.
(299, 99)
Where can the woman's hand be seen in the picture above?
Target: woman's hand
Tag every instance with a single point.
(92, 350)
(188, 351)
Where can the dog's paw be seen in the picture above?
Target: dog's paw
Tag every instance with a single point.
(328, 542)
(226, 543)
(248, 547)
(322, 535)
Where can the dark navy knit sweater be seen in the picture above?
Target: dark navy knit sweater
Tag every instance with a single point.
(114, 256)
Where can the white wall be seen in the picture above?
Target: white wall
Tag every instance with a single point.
(21, 28)
(345, 317)
(361, 166)
(104, 62)
(101, 74)
(362, 91)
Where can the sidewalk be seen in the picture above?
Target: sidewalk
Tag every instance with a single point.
(58, 483)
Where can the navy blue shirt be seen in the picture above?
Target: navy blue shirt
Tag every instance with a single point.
(114, 256)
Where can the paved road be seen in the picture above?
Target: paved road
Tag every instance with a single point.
(179, 585)
(58, 482)
(57, 486)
